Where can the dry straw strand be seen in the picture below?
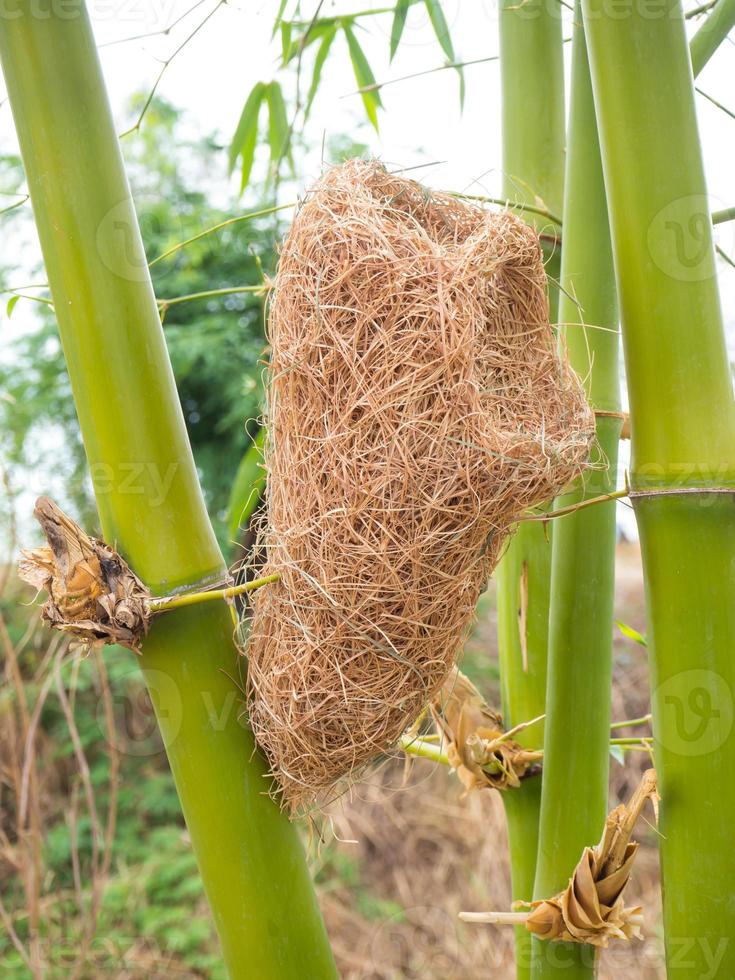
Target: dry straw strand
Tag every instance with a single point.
(417, 407)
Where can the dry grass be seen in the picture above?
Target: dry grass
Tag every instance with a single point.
(417, 407)
(35, 787)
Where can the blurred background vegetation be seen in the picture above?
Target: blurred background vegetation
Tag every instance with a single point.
(216, 344)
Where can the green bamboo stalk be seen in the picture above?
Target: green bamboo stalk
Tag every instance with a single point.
(149, 500)
(532, 84)
(711, 33)
(576, 749)
(683, 427)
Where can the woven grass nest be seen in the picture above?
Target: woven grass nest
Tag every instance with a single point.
(417, 407)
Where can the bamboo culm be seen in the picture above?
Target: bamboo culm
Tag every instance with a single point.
(532, 85)
(683, 439)
(149, 500)
(576, 745)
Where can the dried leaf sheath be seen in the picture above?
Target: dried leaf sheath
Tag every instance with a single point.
(591, 909)
(482, 753)
(92, 592)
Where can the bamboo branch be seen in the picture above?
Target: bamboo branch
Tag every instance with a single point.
(164, 604)
(218, 227)
(507, 203)
(164, 67)
(712, 32)
(713, 100)
(210, 293)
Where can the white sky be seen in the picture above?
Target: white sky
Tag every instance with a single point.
(211, 77)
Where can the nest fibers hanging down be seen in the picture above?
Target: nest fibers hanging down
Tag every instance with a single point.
(417, 406)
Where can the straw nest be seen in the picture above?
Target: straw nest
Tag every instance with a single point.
(417, 406)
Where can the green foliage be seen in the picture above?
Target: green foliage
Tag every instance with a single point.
(215, 344)
(441, 29)
(631, 633)
(246, 488)
(399, 22)
(246, 134)
(245, 139)
(296, 37)
(363, 74)
(319, 60)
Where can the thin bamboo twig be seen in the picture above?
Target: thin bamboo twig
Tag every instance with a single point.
(713, 100)
(552, 515)
(213, 293)
(423, 749)
(726, 214)
(163, 31)
(17, 204)
(631, 722)
(377, 86)
(166, 603)
(165, 66)
(367, 12)
(701, 9)
(509, 203)
(262, 213)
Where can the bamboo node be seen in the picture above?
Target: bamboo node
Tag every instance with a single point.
(483, 755)
(93, 594)
(591, 909)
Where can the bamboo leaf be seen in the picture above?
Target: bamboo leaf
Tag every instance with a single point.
(279, 132)
(617, 753)
(316, 32)
(286, 45)
(243, 142)
(631, 633)
(279, 17)
(12, 302)
(247, 487)
(363, 74)
(441, 28)
(321, 57)
(399, 22)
